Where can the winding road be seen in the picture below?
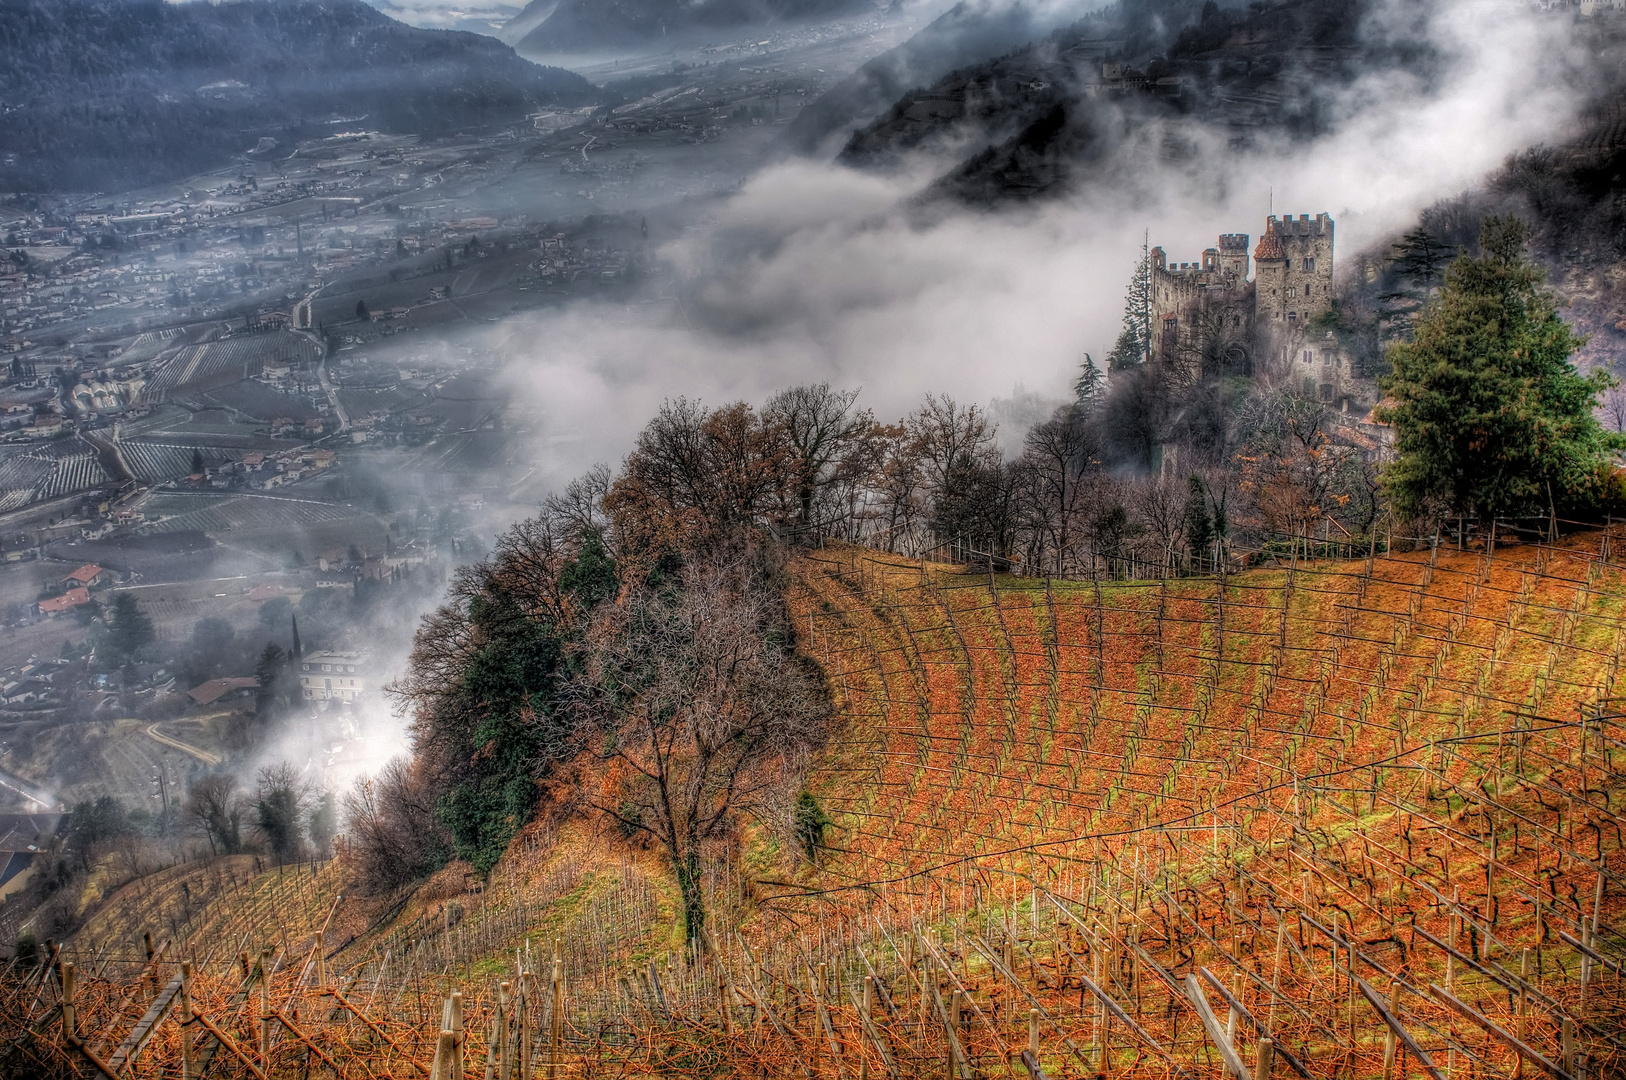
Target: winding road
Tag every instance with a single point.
(185, 748)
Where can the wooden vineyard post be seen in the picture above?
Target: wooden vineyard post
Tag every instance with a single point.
(1276, 972)
(866, 1005)
(1451, 940)
(1566, 1043)
(1267, 1058)
(1389, 1040)
(556, 1034)
(455, 1062)
(1216, 1033)
(265, 1003)
(522, 1017)
(955, 1017)
(69, 1008)
(1523, 1005)
(186, 1020)
(505, 1057)
(1033, 1033)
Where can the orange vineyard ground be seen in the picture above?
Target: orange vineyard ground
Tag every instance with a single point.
(1369, 809)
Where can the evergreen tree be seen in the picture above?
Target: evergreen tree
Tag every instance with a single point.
(1199, 526)
(1134, 345)
(271, 672)
(1091, 384)
(197, 460)
(130, 628)
(298, 651)
(1490, 416)
(362, 314)
(1420, 257)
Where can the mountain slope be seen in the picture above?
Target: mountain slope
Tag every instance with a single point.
(103, 94)
(587, 25)
(966, 34)
(1042, 116)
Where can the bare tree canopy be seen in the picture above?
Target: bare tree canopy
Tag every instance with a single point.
(694, 697)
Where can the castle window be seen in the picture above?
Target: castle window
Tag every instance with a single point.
(1170, 324)
(1309, 265)
(1326, 359)
(1292, 316)
(1308, 356)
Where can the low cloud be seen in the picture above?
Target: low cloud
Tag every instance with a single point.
(816, 272)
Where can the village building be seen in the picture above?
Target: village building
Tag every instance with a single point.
(89, 575)
(208, 693)
(56, 605)
(333, 676)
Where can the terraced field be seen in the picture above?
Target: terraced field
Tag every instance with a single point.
(1321, 819)
(48, 470)
(218, 514)
(244, 355)
(152, 461)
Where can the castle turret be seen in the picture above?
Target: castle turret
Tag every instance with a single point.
(1293, 271)
(1233, 255)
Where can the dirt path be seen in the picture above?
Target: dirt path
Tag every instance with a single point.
(185, 748)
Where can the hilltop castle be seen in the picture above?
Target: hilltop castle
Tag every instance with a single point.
(1209, 317)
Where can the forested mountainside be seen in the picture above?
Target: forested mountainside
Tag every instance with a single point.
(103, 94)
(968, 33)
(585, 25)
(1041, 117)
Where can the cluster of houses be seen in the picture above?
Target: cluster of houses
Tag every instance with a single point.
(76, 588)
(263, 470)
(30, 684)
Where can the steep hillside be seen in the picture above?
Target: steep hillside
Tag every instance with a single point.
(589, 25)
(103, 94)
(1358, 797)
(968, 33)
(1046, 117)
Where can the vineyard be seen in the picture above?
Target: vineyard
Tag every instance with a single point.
(154, 462)
(47, 471)
(214, 514)
(243, 356)
(1323, 819)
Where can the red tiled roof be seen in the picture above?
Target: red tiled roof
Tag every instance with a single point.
(86, 574)
(71, 598)
(1270, 245)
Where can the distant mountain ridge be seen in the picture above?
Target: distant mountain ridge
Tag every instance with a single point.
(589, 25)
(1041, 117)
(108, 94)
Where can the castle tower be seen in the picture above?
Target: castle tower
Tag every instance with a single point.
(1233, 255)
(1293, 272)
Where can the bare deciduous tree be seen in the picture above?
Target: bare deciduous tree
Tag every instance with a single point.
(697, 701)
(213, 807)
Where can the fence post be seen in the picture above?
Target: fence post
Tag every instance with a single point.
(1267, 1058)
(185, 1017)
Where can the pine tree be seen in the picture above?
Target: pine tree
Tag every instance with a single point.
(1420, 257)
(131, 628)
(1091, 384)
(298, 651)
(1199, 526)
(1490, 416)
(1134, 344)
